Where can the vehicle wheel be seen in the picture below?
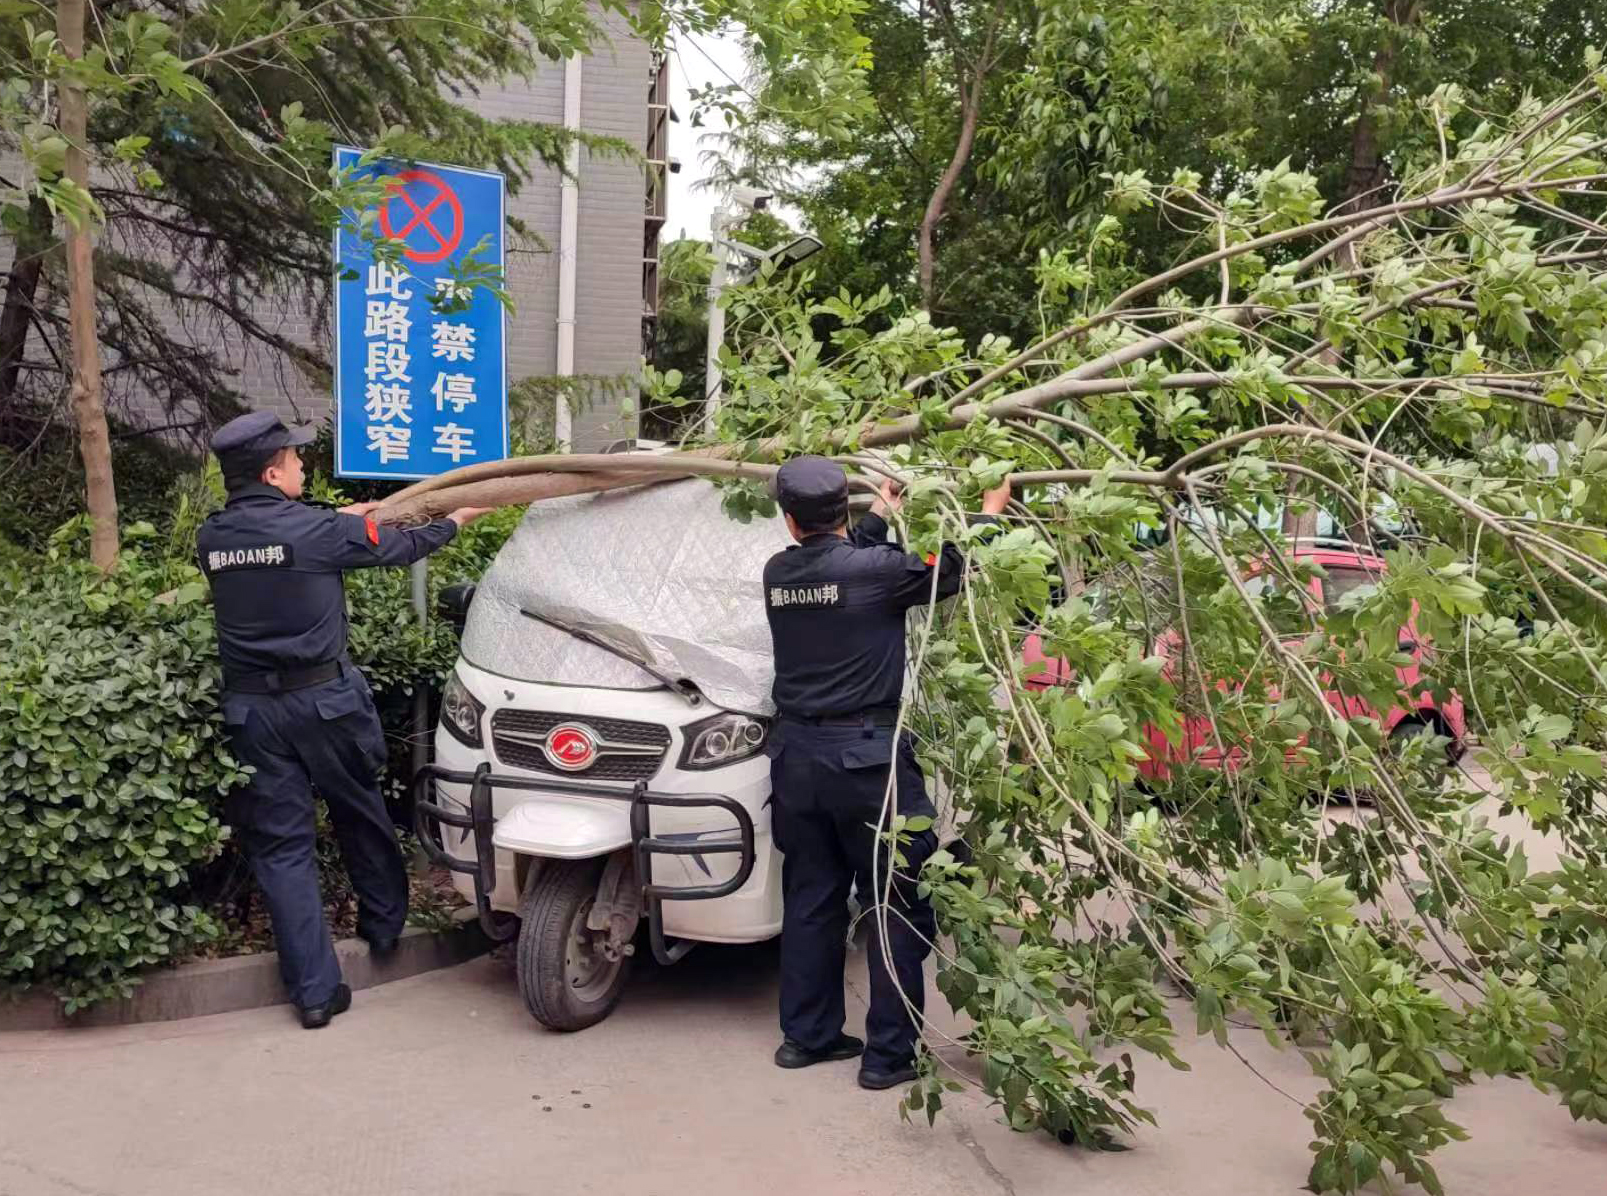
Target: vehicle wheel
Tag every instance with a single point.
(565, 979)
(1412, 729)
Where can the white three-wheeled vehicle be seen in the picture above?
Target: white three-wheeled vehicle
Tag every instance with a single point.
(599, 760)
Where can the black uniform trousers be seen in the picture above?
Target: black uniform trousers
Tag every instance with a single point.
(325, 737)
(828, 786)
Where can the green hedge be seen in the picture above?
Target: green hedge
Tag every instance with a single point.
(112, 757)
(111, 762)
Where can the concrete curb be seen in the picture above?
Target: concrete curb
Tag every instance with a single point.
(248, 982)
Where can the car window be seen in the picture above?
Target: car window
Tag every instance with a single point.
(1340, 582)
(1281, 602)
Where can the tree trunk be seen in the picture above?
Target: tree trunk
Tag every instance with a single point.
(1367, 170)
(970, 111)
(419, 507)
(970, 115)
(1366, 173)
(94, 440)
(1298, 524)
(22, 285)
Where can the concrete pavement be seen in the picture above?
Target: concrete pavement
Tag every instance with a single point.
(443, 1085)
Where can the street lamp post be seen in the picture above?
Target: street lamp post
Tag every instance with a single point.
(718, 227)
(746, 199)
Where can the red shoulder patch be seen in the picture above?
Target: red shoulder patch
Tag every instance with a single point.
(931, 558)
(373, 531)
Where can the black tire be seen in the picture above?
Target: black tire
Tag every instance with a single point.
(564, 987)
(1412, 729)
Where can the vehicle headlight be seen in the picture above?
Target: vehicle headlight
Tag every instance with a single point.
(461, 712)
(721, 740)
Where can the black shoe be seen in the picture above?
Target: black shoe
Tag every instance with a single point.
(790, 1055)
(382, 948)
(314, 1017)
(877, 1080)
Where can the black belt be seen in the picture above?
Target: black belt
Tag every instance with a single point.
(876, 716)
(283, 681)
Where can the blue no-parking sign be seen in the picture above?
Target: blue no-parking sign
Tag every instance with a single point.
(419, 391)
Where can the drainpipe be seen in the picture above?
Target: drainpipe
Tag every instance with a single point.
(568, 250)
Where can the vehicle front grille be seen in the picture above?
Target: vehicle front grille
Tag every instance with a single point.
(606, 768)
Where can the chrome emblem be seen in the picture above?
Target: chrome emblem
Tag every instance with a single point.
(570, 748)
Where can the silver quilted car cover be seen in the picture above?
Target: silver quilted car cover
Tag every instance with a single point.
(659, 572)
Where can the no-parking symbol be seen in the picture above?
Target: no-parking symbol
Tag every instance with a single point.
(428, 233)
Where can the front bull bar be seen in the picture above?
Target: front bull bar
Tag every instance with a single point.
(430, 816)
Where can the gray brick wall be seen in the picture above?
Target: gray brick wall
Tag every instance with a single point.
(608, 310)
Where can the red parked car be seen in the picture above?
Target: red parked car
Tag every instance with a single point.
(1347, 568)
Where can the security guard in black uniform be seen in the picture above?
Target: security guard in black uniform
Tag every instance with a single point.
(297, 710)
(836, 603)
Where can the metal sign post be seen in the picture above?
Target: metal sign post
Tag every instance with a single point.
(421, 693)
(420, 357)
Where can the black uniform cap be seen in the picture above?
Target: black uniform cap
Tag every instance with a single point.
(260, 433)
(246, 444)
(814, 491)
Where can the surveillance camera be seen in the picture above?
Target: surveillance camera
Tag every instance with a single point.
(675, 166)
(752, 197)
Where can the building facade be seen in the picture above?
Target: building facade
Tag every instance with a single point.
(611, 242)
(621, 205)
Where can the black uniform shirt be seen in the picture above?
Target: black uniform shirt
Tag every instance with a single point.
(836, 608)
(275, 570)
